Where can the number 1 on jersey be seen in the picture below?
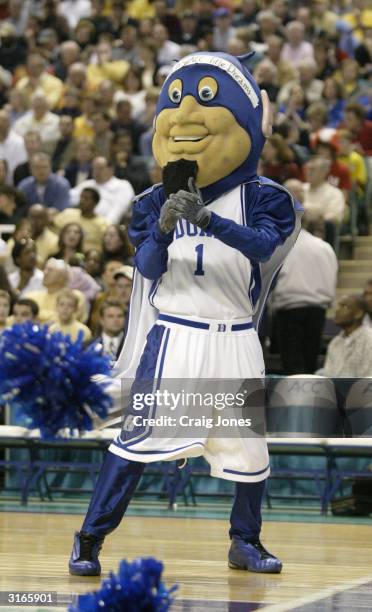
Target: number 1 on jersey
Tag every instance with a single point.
(199, 260)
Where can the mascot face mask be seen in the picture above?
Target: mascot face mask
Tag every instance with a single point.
(211, 111)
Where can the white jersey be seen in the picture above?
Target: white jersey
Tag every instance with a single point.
(205, 277)
(198, 325)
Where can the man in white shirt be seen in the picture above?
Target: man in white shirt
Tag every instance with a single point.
(323, 202)
(296, 48)
(12, 147)
(167, 50)
(349, 355)
(74, 10)
(41, 120)
(115, 194)
(27, 277)
(305, 288)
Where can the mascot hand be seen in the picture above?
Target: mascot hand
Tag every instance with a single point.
(168, 215)
(189, 205)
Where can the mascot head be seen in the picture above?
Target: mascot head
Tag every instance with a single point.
(212, 112)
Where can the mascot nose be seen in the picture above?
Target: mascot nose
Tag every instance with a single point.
(187, 112)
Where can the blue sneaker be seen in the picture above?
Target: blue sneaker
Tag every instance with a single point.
(84, 555)
(252, 557)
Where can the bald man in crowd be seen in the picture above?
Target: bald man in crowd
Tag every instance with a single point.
(115, 194)
(324, 204)
(56, 278)
(43, 186)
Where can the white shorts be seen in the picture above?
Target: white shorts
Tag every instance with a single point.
(189, 351)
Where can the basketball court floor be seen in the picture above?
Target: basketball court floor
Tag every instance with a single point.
(327, 564)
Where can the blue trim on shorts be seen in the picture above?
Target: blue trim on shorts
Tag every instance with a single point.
(240, 326)
(145, 377)
(161, 366)
(158, 452)
(199, 324)
(170, 319)
(247, 473)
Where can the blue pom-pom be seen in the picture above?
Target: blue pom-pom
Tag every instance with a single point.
(48, 378)
(136, 588)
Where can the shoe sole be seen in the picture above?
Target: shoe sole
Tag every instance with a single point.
(247, 569)
(83, 573)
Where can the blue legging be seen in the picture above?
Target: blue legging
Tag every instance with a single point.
(117, 482)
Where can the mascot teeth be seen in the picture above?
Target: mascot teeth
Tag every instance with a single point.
(188, 138)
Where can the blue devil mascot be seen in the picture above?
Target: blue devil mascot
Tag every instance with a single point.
(209, 241)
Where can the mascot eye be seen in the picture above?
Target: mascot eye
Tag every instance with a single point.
(207, 89)
(206, 94)
(175, 95)
(175, 91)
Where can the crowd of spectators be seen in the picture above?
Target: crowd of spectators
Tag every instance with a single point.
(79, 80)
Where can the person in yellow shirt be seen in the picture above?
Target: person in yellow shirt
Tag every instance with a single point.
(38, 78)
(322, 18)
(56, 276)
(353, 160)
(66, 306)
(93, 225)
(141, 9)
(46, 241)
(83, 125)
(105, 67)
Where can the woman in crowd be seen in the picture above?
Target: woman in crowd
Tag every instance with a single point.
(116, 245)
(70, 244)
(133, 91)
(332, 94)
(93, 264)
(294, 107)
